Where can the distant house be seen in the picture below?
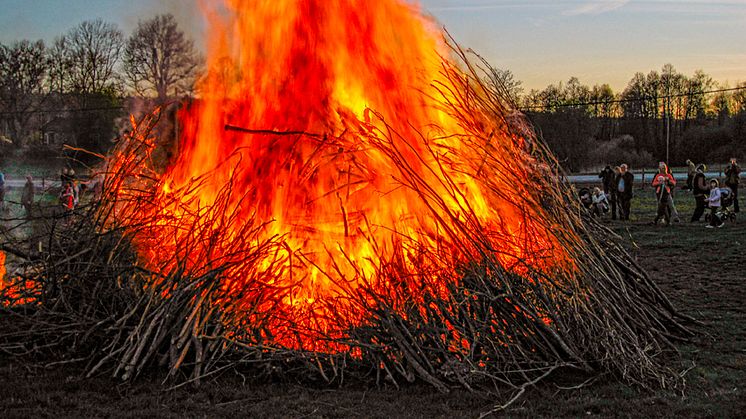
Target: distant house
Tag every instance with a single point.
(56, 132)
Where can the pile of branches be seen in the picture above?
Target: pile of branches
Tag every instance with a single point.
(82, 294)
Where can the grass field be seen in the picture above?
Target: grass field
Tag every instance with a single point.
(703, 271)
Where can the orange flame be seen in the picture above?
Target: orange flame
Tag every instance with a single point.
(2, 267)
(351, 159)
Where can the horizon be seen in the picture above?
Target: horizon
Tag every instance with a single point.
(540, 42)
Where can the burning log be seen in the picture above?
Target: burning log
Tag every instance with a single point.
(424, 233)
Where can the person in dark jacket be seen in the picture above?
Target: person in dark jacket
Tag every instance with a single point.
(691, 169)
(607, 178)
(27, 197)
(700, 190)
(732, 179)
(614, 194)
(624, 191)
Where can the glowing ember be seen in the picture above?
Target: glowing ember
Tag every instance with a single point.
(354, 167)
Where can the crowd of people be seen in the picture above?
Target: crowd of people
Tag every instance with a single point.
(617, 192)
(618, 184)
(69, 193)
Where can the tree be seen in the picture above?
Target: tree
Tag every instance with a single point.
(505, 81)
(59, 66)
(23, 67)
(160, 59)
(92, 51)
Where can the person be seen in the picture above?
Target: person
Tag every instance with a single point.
(699, 189)
(64, 177)
(691, 169)
(614, 192)
(76, 192)
(624, 190)
(2, 191)
(663, 182)
(27, 197)
(607, 179)
(98, 187)
(732, 179)
(714, 201)
(67, 197)
(600, 203)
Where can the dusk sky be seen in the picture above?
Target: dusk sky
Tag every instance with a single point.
(541, 41)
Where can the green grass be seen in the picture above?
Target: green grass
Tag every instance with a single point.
(703, 272)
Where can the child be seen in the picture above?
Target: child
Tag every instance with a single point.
(714, 202)
(67, 197)
(600, 202)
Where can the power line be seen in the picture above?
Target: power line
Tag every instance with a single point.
(63, 110)
(637, 99)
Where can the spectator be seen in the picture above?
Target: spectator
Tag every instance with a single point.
(98, 187)
(714, 202)
(624, 191)
(67, 197)
(691, 169)
(699, 189)
(607, 178)
(64, 177)
(732, 179)
(27, 197)
(614, 192)
(663, 182)
(600, 203)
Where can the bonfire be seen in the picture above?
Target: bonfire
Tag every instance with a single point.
(352, 193)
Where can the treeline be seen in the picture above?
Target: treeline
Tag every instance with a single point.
(73, 90)
(588, 126)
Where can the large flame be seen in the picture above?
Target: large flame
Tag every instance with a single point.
(350, 158)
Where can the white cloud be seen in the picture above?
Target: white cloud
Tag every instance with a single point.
(596, 7)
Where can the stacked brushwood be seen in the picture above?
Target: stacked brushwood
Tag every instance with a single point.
(81, 295)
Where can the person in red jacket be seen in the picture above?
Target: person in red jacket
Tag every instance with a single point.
(67, 197)
(663, 182)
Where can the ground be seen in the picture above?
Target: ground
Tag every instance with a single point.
(703, 271)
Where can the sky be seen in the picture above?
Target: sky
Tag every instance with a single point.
(540, 41)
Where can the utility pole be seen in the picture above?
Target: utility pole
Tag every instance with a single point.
(668, 116)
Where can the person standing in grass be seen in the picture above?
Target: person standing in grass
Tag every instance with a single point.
(732, 179)
(607, 179)
(699, 189)
(614, 193)
(714, 201)
(27, 197)
(663, 182)
(67, 197)
(624, 191)
(691, 170)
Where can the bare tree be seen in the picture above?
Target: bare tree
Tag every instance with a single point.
(59, 66)
(23, 67)
(505, 81)
(93, 50)
(160, 59)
